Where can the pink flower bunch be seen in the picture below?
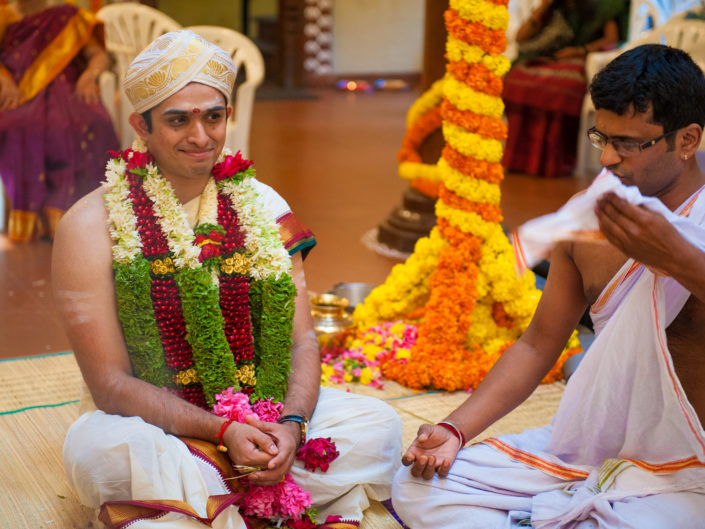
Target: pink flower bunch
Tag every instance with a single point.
(285, 500)
(233, 405)
(318, 453)
(362, 357)
(268, 410)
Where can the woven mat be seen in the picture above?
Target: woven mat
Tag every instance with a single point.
(39, 402)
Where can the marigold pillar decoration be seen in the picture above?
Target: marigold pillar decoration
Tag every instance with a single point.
(459, 285)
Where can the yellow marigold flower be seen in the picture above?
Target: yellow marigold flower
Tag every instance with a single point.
(465, 98)
(397, 328)
(465, 220)
(366, 375)
(469, 188)
(429, 99)
(486, 13)
(471, 144)
(412, 170)
(457, 50)
(370, 351)
(403, 353)
(347, 377)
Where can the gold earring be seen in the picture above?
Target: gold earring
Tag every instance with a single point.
(685, 157)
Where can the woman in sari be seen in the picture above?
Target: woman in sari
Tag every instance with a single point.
(54, 133)
(544, 90)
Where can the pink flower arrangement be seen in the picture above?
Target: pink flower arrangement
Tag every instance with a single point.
(360, 357)
(286, 500)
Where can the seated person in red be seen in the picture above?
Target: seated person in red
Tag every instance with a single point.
(545, 88)
(54, 132)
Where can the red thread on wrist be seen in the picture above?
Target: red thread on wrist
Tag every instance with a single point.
(219, 436)
(455, 431)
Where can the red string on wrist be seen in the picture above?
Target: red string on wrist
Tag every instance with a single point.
(219, 436)
(452, 428)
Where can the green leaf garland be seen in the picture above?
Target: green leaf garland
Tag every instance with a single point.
(204, 331)
(275, 335)
(133, 292)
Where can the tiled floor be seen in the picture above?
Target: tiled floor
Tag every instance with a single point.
(333, 158)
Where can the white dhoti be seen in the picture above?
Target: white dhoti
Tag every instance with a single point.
(626, 449)
(110, 458)
(487, 488)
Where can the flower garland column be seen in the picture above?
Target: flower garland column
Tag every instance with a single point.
(475, 306)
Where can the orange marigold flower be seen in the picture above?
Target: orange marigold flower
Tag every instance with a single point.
(415, 135)
(427, 187)
(493, 128)
(493, 42)
(488, 212)
(500, 316)
(489, 172)
(477, 76)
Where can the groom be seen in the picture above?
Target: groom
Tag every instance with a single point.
(191, 290)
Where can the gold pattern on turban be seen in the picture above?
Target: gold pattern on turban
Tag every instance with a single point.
(171, 62)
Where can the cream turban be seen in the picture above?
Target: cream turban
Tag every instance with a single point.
(171, 62)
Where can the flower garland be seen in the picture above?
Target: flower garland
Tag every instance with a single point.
(204, 309)
(422, 120)
(474, 306)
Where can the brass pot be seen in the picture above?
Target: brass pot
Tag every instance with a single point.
(329, 316)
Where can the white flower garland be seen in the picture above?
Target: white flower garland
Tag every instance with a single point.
(122, 222)
(267, 255)
(172, 219)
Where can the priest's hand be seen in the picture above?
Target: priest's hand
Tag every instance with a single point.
(433, 450)
(286, 436)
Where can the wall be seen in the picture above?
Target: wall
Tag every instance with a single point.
(225, 13)
(378, 36)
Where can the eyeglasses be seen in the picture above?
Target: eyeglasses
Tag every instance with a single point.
(623, 147)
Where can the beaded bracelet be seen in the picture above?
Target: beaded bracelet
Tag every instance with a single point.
(452, 428)
(219, 437)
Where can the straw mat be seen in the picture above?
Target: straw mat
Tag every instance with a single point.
(39, 402)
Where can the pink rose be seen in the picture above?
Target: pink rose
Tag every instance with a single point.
(230, 167)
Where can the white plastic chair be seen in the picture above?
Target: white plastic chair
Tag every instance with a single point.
(245, 55)
(129, 28)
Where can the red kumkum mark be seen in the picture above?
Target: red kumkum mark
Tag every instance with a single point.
(196, 110)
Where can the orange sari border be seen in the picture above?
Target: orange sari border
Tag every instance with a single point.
(8, 16)
(52, 60)
(520, 456)
(668, 468)
(297, 237)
